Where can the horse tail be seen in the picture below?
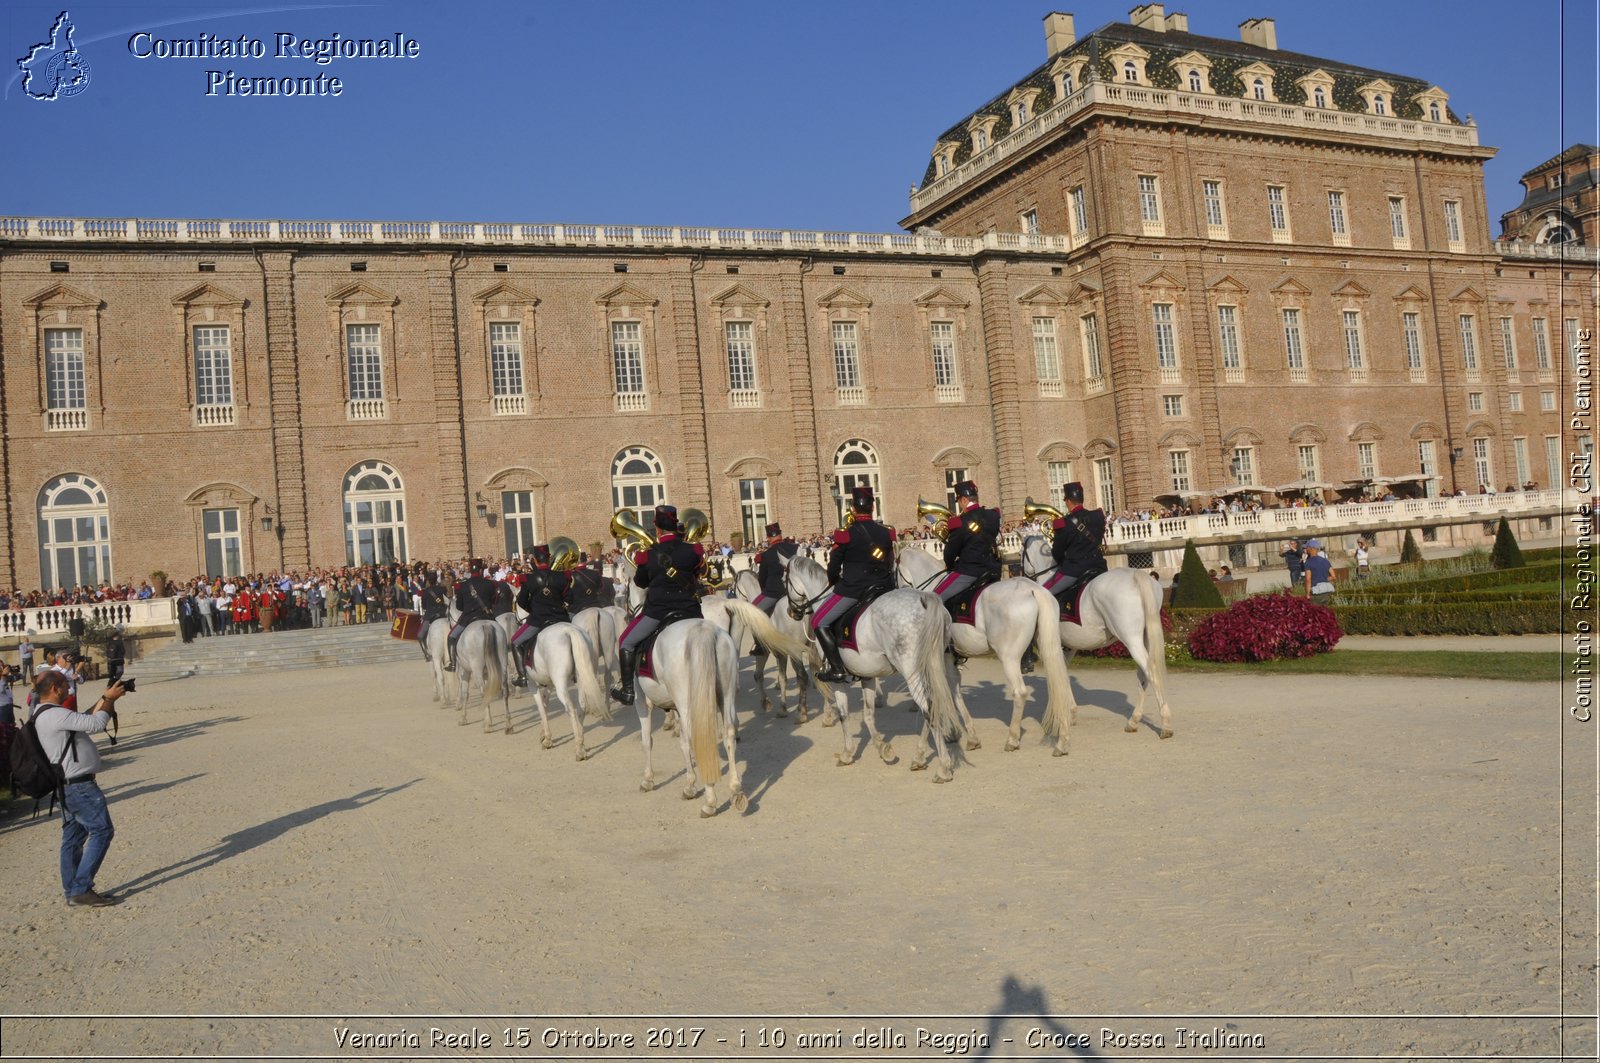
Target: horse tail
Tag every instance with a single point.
(765, 631)
(1155, 640)
(1058, 685)
(701, 719)
(932, 638)
(590, 695)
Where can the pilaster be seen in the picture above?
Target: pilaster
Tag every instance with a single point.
(448, 414)
(691, 390)
(802, 399)
(1005, 408)
(288, 430)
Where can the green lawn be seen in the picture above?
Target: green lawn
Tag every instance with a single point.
(1521, 667)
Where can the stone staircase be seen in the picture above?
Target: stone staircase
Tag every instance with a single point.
(328, 647)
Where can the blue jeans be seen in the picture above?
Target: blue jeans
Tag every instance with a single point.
(86, 834)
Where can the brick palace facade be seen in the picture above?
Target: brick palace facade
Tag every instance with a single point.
(1161, 262)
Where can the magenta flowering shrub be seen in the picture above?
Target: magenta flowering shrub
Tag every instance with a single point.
(1264, 628)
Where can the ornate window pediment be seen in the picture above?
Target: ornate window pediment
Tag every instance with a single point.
(1351, 290)
(957, 458)
(1043, 295)
(1310, 83)
(1411, 294)
(1197, 64)
(1067, 72)
(1480, 428)
(1241, 437)
(209, 295)
(1162, 279)
(1435, 103)
(842, 298)
(1290, 288)
(1060, 450)
(1084, 292)
(361, 294)
(63, 297)
(1307, 433)
(1468, 294)
(1365, 432)
(738, 296)
(1227, 285)
(1099, 448)
(941, 298)
(753, 467)
(1426, 430)
(505, 294)
(1257, 81)
(1126, 58)
(221, 494)
(516, 478)
(1379, 97)
(1179, 437)
(625, 297)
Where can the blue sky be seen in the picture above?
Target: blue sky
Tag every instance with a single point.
(818, 114)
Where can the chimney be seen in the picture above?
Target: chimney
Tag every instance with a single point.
(1177, 23)
(1058, 34)
(1261, 32)
(1149, 17)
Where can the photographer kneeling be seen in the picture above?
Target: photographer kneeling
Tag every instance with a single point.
(86, 829)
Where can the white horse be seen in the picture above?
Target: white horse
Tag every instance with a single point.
(903, 631)
(562, 657)
(437, 641)
(748, 587)
(695, 665)
(481, 660)
(1010, 615)
(602, 625)
(1120, 605)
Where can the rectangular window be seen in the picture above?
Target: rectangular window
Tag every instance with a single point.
(224, 553)
(1353, 357)
(1480, 462)
(1166, 338)
(1541, 344)
(754, 510)
(846, 356)
(1172, 405)
(1291, 343)
(1519, 454)
(1572, 341)
(951, 478)
(365, 362)
(1093, 370)
(1211, 193)
(516, 511)
(1411, 326)
(1514, 401)
(1508, 340)
(740, 337)
(1030, 222)
(1149, 199)
(213, 366)
(1336, 220)
(1427, 462)
(1080, 216)
(1277, 210)
(944, 354)
(1059, 474)
(1309, 465)
(1228, 333)
(1046, 357)
(1553, 470)
(1105, 486)
(1243, 466)
(627, 357)
(1397, 218)
(505, 359)
(1367, 460)
(1474, 402)
(1469, 345)
(1452, 222)
(63, 369)
(1179, 460)
(1547, 401)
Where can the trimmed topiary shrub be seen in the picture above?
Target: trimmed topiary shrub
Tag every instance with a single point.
(1410, 552)
(1265, 628)
(1195, 589)
(1506, 552)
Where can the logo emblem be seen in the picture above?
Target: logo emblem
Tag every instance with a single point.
(55, 69)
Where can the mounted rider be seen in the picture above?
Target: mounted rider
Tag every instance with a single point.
(435, 606)
(1076, 549)
(770, 568)
(669, 571)
(546, 598)
(861, 565)
(475, 600)
(971, 553)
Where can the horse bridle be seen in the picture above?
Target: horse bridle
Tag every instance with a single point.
(798, 610)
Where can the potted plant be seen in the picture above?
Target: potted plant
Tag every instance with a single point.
(158, 583)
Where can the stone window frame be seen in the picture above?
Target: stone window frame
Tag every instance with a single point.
(364, 304)
(1286, 233)
(517, 479)
(1339, 215)
(1189, 66)
(226, 494)
(1247, 440)
(627, 303)
(1045, 302)
(1255, 75)
(1227, 291)
(1067, 73)
(844, 305)
(943, 306)
(206, 306)
(981, 126)
(1310, 83)
(1214, 230)
(61, 306)
(739, 304)
(508, 304)
(1431, 99)
(1022, 97)
(1378, 96)
(1122, 56)
(1401, 241)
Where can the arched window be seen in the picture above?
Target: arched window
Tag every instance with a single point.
(1194, 81)
(638, 482)
(1022, 112)
(1433, 112)
(1066, 85)
(855, 464)
(374, 515)
(1319, 97)
(983, 140)
(1378, 106)
(74, 533)
(1130, 72)
(1259, 89)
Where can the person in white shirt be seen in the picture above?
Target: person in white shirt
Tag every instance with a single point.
(86, 829)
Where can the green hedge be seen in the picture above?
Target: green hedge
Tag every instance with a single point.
(1453, 598)
(1541, 573)
(1451, 618)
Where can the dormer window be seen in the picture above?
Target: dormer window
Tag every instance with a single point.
(1557, 180)
(1379, 106)
(1258, 88)
(1130, 72)
(944, 165)
(1377, 95)
(1433, 113)
(982, 140)
(1022, 112)
(1319, 98)
(1066, 85)
(1195, 84)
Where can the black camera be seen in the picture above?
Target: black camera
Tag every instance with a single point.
(127, 683)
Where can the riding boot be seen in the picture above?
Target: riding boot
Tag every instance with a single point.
(522, 670)
(828, 639)
(628, 665)
(450, 664)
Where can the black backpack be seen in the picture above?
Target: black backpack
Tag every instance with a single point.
(32, 772)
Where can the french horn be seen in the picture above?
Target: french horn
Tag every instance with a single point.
(696, 525)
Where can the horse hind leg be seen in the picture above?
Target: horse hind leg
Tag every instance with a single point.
(1148, 684)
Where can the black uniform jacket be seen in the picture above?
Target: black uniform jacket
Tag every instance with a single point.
(769, 566)
(546, 597)
(1077, 542)
(435, 603)
(475, 597)
(670, 575)
(970, 549)
(862, 559)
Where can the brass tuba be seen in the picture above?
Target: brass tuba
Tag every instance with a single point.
(941, 527)
(563, 553)
(696, 525)
(624, 525)
(1032, 510)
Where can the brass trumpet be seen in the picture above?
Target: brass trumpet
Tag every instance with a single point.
(1032, 509)
(941, 527)
(563, 553)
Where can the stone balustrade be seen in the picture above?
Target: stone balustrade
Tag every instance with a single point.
(49, 621)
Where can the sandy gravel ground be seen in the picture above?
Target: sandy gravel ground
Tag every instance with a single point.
(332, 844)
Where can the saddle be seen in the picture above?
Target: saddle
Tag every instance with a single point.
(847, 626)
(964, 606)
(1069, 600)
(647, 650)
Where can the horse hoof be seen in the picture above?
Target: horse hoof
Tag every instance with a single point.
(546, 743)
(647, 785)
(829, 721)
(886, 753)
(973, 743)
(1012, 745)
(583, 755)
(1130, 729)
(922, 766)
(741, 803)
(1166, 732)
(942, 777)
(1058, 752)
(508, 729)
(707, 812)
(690, 793)
(841, 760)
